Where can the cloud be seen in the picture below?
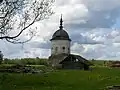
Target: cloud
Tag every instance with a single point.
(109, 49)
(98, 14)
(35, 52)
(39, 45)
(101, 4)
(82, 39)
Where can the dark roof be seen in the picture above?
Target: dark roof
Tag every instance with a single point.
(61, 34)
(80, 59)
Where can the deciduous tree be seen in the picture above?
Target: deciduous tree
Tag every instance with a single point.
(18, 16)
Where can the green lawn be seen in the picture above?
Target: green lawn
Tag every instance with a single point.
(62, 80)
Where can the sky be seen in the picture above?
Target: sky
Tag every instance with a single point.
(93, 26)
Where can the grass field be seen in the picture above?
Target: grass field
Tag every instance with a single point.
(97, 79)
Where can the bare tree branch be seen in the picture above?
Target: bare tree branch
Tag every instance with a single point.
(17, 16)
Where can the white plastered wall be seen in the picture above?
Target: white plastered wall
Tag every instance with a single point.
(60, 46)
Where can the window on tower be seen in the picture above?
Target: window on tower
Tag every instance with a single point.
(63, 49)
(68, 50)
(56, 49)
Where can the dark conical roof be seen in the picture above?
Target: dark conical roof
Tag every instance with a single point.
(61, 34)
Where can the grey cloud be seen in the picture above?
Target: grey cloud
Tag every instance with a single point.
(101, 4)
(79, 38)
(97, 19)
(39, 45)
(11, 50)
(62, 2)
(99, 15)
(93, 53)
(77, 48)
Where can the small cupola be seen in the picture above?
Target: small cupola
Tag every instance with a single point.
(60, 34)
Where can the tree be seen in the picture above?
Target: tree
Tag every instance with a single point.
(17, 16)
(1, 57)
(6, 60)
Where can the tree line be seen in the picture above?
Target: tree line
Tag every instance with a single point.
(26, 61)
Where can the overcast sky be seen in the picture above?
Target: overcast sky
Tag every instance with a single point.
(93, 26)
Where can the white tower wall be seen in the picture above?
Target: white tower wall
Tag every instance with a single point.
(60, 46)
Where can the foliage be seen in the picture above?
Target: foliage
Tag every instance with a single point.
(1, 57)
(26, 61)
(99, 63)
(17, 16)
(98, 79)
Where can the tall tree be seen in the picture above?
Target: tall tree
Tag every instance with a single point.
(18, 16)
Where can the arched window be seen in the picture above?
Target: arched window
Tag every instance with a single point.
(68, 50)
(63, 49)
(56, 49)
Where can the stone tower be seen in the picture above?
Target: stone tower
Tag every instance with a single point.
(60, 42)
(60, 52)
